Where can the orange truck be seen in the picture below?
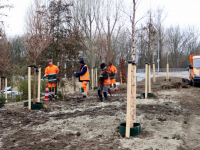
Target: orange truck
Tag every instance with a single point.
(194, 69)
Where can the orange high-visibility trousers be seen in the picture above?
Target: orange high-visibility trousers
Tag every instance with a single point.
(84, 88)
(112, 81)
(52, 87)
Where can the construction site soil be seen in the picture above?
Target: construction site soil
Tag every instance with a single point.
(170, 121)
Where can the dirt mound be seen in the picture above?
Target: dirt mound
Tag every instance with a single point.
(174, 85)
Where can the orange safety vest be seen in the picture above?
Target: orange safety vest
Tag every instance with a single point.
(112, 69)
(86, 76)
(51, 71)
(106, 81)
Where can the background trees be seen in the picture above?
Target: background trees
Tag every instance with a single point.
(99, 31)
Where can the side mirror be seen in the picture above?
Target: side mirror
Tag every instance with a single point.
(190, 67)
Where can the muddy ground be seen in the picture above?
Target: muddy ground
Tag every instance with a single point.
(170, 121)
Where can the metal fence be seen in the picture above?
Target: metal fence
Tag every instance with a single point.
(164, 70)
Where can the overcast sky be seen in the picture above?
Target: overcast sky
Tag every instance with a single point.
(179, 12)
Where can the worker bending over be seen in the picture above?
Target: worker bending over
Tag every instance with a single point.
(112, 70)
(84, 77)
(104, 77)
(51, 72)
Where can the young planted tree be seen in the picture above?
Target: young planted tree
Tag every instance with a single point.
(5, 65)
(38, 34)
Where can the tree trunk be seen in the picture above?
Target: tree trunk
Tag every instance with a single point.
(133, 75)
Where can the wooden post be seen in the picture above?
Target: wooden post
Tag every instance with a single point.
(128, 114)
(154, 73)
(149, 78)
(120, 77)
(96, 78)
(6, 96)
(39, 83)
(133, 94)
(167, 77)
(0, 84)
(146, 79)
(135, 81)
(29, 87)
(92, 80)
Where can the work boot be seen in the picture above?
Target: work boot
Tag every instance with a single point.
(84, 97)
(100, 96)
(106, 97)
(50, 97)
(115, 87)
(54, 96)
(100, 99)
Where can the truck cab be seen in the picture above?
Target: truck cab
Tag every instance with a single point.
(194, 69)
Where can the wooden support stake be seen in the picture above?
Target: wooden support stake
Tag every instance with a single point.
(133, 95)
(167, 78)
(6, 96)
(154, 73)
(146, 79)
(128, 114)
(120, 77)
(92, 80)
(0, 84)
(134, 101)
(96, 78)
(29, 87)
(149, 78)
(39, 83)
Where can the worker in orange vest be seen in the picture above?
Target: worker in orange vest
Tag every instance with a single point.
(112, 70)
(84, 77)
(51, 71)
(106, 81)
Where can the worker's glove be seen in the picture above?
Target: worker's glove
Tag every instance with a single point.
(101, 76)
(43, 77)
(75, 74)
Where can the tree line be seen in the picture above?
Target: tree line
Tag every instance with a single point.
(98, 31)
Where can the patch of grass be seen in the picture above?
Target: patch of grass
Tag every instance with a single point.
(47, 146)
(60, 96)
(2, 100)
(111, 146)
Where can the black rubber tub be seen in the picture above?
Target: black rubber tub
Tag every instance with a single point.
(142, 95)
(137, 129)
(36, 106)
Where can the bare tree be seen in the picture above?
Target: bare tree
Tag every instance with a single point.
(5, 60)
(38, 34)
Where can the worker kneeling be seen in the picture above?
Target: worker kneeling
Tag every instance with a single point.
(84, 77)
(104, 82)
(112, 70)
(51, 72)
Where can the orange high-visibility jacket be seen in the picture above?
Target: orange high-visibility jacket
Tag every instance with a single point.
(86, 76)
(112, 69)
(106, 81)
(51, 71)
